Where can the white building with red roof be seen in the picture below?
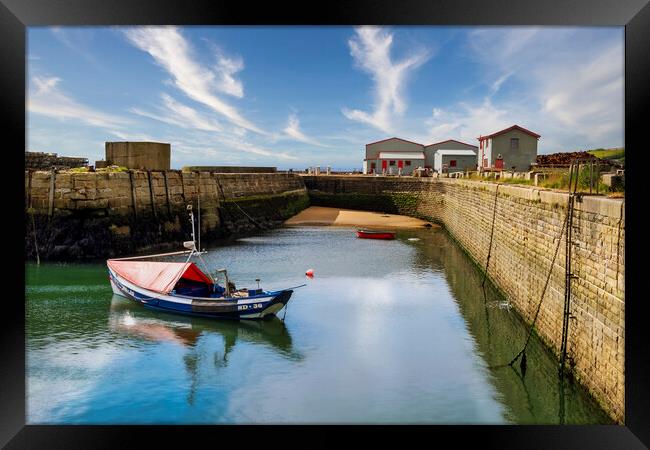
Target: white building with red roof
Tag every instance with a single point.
(514, 146)
(392, 156)
(395, 155)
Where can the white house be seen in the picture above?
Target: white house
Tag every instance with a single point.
(454, 160)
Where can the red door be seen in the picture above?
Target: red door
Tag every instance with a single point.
(400, 164)
(498, 163)
(384, 164)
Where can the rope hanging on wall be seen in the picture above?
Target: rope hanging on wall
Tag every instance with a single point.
(565, 225)
(494, 217)
(253, 221)
(539, 305)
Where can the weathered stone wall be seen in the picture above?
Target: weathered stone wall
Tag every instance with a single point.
(527, 225)
(231, 169)
(106, 214)
(45, 161)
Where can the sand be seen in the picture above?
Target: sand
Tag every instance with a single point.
(319, 215)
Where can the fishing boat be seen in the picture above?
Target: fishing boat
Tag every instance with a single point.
(375, 234)
(182, 287)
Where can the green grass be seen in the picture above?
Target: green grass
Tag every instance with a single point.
(608, 153)
(559, 181)
(112, 169)
(516, 181)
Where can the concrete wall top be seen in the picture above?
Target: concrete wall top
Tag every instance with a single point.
(610, 207)
(139, 155)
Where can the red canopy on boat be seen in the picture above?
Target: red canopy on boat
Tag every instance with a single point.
(157, 276)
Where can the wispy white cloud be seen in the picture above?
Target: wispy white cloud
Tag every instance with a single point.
(77, 41)
(564, 83)
(468, 121)
(293, 131)
(371, 50)
(133, 136)
(46, 98)
(226, 68)
(176, 113)
(238, 144)
(174, 53)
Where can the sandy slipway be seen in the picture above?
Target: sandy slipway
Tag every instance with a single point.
(320, 215)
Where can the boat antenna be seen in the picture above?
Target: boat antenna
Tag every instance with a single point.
(198, 206)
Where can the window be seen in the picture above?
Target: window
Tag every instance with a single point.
(514, 143)
(452, 163)
(392, 163)
(408, 163)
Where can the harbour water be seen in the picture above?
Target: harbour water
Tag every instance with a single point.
(385, 332)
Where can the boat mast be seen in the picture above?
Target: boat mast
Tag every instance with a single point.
(198, 206)
(191, 245)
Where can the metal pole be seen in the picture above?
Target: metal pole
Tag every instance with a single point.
(189, 208)
(199, 208)
(568, 277)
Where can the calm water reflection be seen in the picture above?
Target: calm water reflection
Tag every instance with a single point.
(386, 332)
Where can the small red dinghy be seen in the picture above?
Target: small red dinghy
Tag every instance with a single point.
(374, 234)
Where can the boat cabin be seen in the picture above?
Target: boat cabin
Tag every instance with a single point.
(174, 278)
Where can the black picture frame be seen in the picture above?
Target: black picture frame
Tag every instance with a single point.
(16, 15)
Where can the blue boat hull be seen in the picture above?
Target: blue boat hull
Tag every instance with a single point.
(254, 307)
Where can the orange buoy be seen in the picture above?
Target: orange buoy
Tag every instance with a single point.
(310, 272)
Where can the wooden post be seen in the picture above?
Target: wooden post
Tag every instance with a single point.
(50, 210)
(169, 208)
(153, 202)
(29, 189)
(182, 186)
(135, 209)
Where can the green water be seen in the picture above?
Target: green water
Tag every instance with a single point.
(386, 332)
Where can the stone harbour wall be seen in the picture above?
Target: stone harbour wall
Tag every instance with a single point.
(527, 225)
(92, 215)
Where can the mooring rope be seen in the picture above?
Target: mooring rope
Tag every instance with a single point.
(618, 243)
(253, 221)
(286, 306)
(548, 278)
(565, 224)
(38, 258)
(494, 217)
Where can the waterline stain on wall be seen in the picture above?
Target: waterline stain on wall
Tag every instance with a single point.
(526, 227)
(99, 215)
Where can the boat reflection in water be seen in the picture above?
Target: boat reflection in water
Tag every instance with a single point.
(132, 321)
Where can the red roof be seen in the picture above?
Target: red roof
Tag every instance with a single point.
(517, 127)
(399, 139)
(450, 140)
(157, 276)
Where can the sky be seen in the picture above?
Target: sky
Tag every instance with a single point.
(295, 97)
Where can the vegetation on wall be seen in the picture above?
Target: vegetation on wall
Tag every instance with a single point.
(391, 203)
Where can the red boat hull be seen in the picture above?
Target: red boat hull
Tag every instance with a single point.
(375, 234)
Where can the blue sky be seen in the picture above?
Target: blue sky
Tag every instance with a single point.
(295, 97)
